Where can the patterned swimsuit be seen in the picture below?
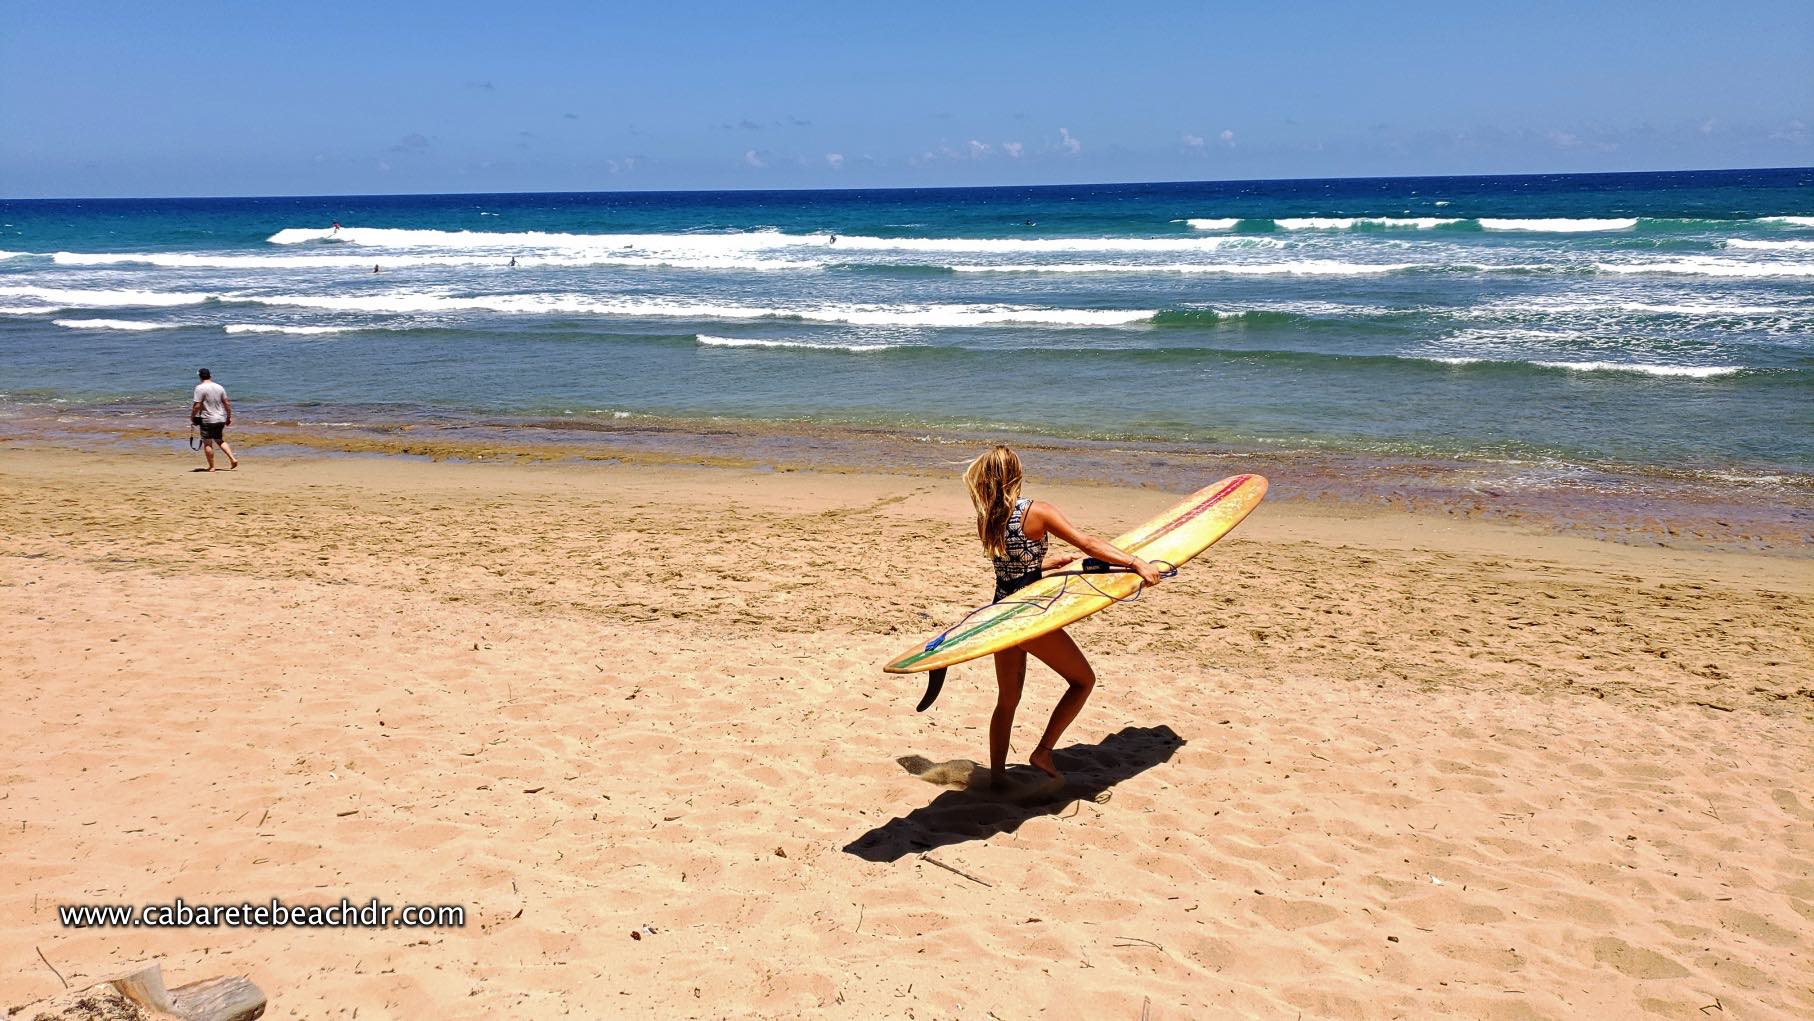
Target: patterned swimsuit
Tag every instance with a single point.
(1021, 567)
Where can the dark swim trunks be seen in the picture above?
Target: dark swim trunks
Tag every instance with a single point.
(216, 431)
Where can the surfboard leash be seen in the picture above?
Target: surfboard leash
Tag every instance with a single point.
(935, 678)
(1090, 566)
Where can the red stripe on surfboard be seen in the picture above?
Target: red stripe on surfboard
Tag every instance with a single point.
(1233, 484)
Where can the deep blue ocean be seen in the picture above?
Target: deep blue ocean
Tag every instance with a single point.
(1662, 320)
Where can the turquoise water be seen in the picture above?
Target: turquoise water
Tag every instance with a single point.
(1646, 319)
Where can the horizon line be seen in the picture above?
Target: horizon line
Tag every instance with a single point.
(901, 188)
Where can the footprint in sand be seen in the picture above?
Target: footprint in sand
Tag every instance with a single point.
(1636, 962)
(1021, 784)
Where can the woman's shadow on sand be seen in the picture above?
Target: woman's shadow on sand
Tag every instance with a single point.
(960, 815)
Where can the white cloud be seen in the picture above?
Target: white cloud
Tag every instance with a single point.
(1227, 136)
(1794, 131)
(1012, 149)
(978, 149)
(835, 160)
(1068, 142)
(1194, 141)
(751, 157)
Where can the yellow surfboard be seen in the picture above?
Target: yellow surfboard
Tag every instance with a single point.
(1172, 538)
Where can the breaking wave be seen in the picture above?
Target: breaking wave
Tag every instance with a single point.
(705, 246)
(1771, 246)
(111, 324)
(1310, 267)
(710, 341)
(1560, 225)
(183, 260)
(65, 297)
(1710, 267)
(301, 331)
(1683, 371)
(1363, 222)
(573, 304)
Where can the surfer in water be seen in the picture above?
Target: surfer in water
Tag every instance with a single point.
(1015, 531)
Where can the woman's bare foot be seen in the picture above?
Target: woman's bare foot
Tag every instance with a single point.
(1041, 759)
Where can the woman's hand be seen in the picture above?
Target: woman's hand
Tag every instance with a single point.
(1147, 572)
(1056, 561)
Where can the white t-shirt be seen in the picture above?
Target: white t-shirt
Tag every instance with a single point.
(213, 399)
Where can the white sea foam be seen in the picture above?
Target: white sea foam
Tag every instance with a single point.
(1224, 223)
(1560, 225)
(13, 255)
(61, 297)
(711, 341)
(1684, 371)
(301, 331)
(703, 246)
(1711, 267)
(1790, 221)
(1016, 245)
(1591, 306)
(12, 310)
(1309, 267)
(573, 304)
(358, 263)
(1708, 308)
(1351, 222)
(1771, 246)
(111, 324)
(1689, 371)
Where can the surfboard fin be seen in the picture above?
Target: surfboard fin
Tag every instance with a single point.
(935, 682)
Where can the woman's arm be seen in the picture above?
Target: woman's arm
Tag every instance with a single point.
(1055, 523)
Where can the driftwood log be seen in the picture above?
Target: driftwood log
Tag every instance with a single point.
(139, 993)
(229, 998)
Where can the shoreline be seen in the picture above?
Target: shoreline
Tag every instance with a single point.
(1634, 505)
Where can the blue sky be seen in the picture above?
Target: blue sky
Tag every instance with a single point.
(185, 98)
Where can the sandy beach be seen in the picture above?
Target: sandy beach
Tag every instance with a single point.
(1350, 764)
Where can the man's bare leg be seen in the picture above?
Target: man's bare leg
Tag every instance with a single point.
(232, 462)
(208, 451)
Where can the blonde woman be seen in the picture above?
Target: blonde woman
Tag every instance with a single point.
(1015, 531)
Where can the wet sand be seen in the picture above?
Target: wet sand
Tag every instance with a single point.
(1676, 506)
(1353, 763)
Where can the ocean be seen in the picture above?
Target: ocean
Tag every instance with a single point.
(1623, 323)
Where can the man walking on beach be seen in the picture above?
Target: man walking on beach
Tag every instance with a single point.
(214, 413)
